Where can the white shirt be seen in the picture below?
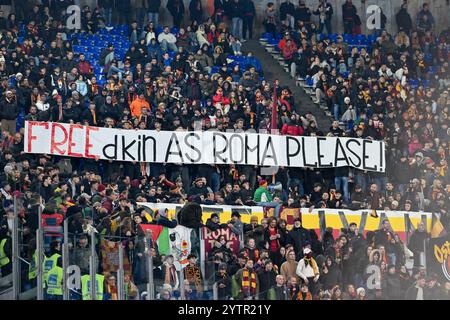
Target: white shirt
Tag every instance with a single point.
(170, 38)
(419, 293)
(304, 271)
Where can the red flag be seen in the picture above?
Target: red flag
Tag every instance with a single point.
(156, 230)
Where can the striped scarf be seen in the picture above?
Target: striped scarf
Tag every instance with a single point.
(247, 283)
(307, 297)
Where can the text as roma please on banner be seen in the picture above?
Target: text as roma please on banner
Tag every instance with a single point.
(202, 147)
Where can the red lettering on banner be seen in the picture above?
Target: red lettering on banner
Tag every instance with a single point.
(31, 124)
(88, 145)
(71, 143)
(54, 146)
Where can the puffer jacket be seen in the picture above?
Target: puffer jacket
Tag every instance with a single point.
(292, 130)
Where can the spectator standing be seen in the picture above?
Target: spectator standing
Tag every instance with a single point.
(417, 243)
(249, 13)
(196, 11)
(153, 11)
(270, 19)
(325, 13)
(299, 237)
(223, 282)
(247, 282)
(9, 111)
(176, 9)
(403, 19)
(267, 280)
(237, 14)
(106, 8)
(287, 13)
(308, 271)
(425, 20)
(348, 15)
(124, 8)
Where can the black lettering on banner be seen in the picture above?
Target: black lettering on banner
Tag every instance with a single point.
(144, 147)
(248, 148)
(424, 221)
(347, 144)
(139, 148)
(288, 153)
(111, 145)
(362, 223)
(343, 219)
(186, 140)
(408, 226)
(367, 157)
(217, 153)
(381, 219)
(231, 144)
(320, 156)
(273, 156)
(381, 156)
(169, 152)
(306, 164)
(322, 223)
(125, 148)
(337, 158)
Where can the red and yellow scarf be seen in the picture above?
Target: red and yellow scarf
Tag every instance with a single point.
(248, 282)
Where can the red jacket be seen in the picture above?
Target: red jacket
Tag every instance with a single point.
(292, 130)
(218, 98)
(84, 67)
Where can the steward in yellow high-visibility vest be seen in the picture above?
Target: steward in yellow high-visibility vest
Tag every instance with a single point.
(55, 282)
(86, 287)
(5, 256)
(32, 269)
(49, 263)
(4, 259)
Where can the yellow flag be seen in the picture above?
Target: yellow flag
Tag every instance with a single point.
(437, 229)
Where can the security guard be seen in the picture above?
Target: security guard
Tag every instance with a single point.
(5, 254)
(32, 268)
(54, 282)
(86, 286)
(50, 261)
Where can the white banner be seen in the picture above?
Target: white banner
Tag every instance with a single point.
(202, 147)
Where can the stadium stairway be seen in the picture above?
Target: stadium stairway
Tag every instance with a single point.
(273, 71)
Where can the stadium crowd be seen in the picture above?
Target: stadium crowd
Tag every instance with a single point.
(181, 78)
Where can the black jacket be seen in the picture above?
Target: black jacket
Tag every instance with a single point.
(286, 9)
(163, 221)
(266, 282)
(403, 20)
(215, 226)
(332, 278)
(236, 9)
(223, 293)
(299, 237)
(392, 287)
(107, 4)
(153, 5)
(9, 110)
